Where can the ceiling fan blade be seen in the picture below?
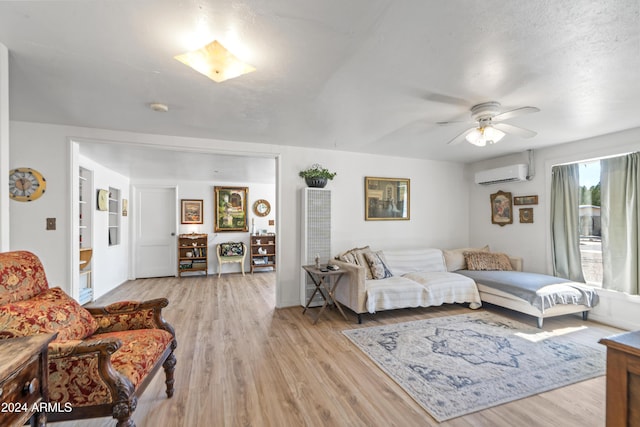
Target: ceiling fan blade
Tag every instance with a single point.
(460, 137)
(445, 99)
(456, 122)
(514, 130)
(514, 113)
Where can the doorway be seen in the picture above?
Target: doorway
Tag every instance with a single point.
(155, 231)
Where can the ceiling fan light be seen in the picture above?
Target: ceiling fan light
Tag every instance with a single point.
(474, 136)
(492, 135)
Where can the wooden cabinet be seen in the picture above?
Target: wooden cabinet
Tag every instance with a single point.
(263, 251)
(193, 252)
(623, 379)
(23, 380)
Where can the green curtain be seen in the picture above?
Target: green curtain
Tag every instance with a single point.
(565, 222)
(620, 216)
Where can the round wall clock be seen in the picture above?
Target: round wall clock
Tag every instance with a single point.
(103, 200)
(261, 207)
(26, 184)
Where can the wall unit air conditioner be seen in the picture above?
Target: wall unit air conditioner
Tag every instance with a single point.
(512, 173)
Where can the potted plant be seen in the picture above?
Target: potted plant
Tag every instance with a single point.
(317, 176)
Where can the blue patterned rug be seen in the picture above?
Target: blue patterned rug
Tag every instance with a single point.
(456, 365)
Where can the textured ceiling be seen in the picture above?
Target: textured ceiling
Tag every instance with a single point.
(360, 75)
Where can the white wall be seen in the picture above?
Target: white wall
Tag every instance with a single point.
(439, 201)
(4, 149)
(204, 191)
(109, 264)
(531, 241)
(47, 150)
(439, 197)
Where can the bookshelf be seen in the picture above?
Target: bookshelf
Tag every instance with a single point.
(192, 253)
(263, 251)
(85, 231)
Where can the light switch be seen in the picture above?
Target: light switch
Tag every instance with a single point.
(51, 223)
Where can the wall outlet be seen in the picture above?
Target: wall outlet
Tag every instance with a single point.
(51, 223)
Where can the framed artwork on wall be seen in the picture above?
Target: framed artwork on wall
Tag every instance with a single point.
(386, 198)
(501, 209)
(230, 205)
(526, 215)
(525, 200)
(191, 211)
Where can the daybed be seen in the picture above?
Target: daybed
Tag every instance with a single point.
(400, 279)
(102, 358)
(387, 280)
(501, 281)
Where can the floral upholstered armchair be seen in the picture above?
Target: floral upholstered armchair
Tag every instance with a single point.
(102, 358)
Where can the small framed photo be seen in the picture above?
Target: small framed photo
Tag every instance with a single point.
(501, 210)
(230, 204)
(191, 211)
(526, 215)
(386, 199)
(525, 200)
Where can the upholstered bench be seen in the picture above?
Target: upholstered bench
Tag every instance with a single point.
(103, 357)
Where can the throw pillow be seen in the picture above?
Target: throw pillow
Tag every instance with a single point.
(231, 249)
(487, 261)
(48, 312)
(454, 258)
(347, 257)
(355, 256)
(377, 265)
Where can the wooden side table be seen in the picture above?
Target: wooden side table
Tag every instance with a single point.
(322, 282)
(23, 380)
(623, 379)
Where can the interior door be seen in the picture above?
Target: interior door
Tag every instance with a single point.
(155, 232)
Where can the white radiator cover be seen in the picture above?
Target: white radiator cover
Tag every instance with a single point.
(316, 236)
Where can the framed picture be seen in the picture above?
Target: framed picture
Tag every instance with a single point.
(525, 200)
(230, 204)
(526, 215)
(191, 211)
(386, 199)
(501, 210)
(125, 207)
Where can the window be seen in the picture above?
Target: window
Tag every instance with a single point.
(595, 235)
(590, 225)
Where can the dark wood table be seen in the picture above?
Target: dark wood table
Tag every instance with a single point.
(23, 380)
(623, 379)
(322, 281)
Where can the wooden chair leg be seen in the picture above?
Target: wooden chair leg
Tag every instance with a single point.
(122, 413)
(169, 368)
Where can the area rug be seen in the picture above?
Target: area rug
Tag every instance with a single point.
(456, 365)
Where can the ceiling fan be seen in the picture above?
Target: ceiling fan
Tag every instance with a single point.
(488, 125)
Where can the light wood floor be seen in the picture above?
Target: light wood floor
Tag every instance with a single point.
(241, 362)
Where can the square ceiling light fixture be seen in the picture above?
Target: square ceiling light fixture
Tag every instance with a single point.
(215, 62)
